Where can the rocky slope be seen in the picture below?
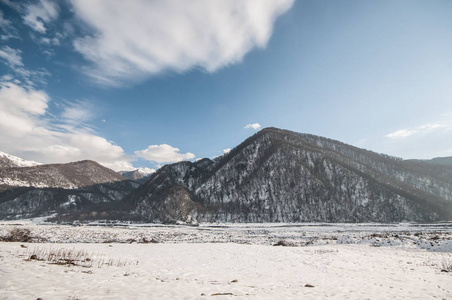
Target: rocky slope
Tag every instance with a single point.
(43, 189)
(283, 176)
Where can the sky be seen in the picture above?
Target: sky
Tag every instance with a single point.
(140, 84)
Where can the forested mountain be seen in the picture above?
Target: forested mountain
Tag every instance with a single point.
(282, 176)
(42, 189)
(273, 176)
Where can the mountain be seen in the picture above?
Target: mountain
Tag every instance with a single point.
(137, 175)
(283, 176)
(274, 176)
(10, 161)
(442, 160)
(42, 189)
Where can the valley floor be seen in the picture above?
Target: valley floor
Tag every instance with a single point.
(339, 261)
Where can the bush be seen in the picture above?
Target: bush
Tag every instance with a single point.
(447, 266)
(282, 243)
(18, 235)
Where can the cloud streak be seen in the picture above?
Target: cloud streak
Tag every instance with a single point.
(37, 15)
(418, 142)
(12, 57)
(6, 26)
(135, 39)
(426, 128)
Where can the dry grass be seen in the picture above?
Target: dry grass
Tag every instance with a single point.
(74, 257)
(446, 266)
(18, 235)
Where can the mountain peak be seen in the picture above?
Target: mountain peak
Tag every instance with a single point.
(279, 175)
(11, 161)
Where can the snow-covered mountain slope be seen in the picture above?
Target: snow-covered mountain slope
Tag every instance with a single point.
(10, 161)
(138, 175)
(283, 176)
(68, 176)
(42, 189)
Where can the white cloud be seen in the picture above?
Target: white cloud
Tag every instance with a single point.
(138, 38)
(7, 28)
(12, 57)
(403, 133)
(255, 126)
(227, 150)
(164, 154)
(49, 41)
(418, 142)
(77, 113)
(39, 14)
(26, 131)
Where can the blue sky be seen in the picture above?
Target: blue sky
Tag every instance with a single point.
(144, 83)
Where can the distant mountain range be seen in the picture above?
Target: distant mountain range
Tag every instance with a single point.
(45, 189)
(274, 176)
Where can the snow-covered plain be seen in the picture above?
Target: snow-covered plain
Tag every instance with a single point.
(334, 261)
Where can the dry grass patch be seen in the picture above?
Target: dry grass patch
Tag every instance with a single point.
(74, 257)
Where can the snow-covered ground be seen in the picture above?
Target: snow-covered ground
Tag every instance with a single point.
(336, 261)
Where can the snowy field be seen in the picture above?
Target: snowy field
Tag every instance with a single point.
(316, 261)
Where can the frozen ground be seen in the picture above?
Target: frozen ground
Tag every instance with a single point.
(339, 261)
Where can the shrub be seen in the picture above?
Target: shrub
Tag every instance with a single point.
(282, 243)
(18, 235)
(447, 266)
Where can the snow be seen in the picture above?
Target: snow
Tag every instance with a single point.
(72, 200)
(18, 182)
(19, 162)
(343, 261)
(146, 171)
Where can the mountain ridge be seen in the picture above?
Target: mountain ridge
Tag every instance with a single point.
(225, 188)
(278, 175)
(10, 161)
(47, 188)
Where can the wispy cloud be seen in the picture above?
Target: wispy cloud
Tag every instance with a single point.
(135, 39)
(39, 14)
(164, 154)
(13, 4)
(426, 128)
(6, 26)
(12, 57)
(402, 133)
(255, 126)
(426, 140)
(77, 112)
